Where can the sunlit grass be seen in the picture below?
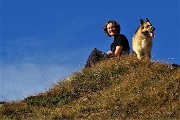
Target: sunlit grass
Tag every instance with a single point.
(120, 88)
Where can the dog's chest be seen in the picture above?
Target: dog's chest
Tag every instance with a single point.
(141, 42)
(145, 43)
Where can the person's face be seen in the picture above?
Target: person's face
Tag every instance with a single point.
(111, 29)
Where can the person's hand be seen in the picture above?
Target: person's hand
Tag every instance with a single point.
(110, 53)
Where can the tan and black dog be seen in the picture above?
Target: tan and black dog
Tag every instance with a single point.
(142, 39)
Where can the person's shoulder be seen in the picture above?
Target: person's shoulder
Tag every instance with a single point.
(122, 36)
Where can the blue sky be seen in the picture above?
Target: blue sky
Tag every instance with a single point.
(44, 41)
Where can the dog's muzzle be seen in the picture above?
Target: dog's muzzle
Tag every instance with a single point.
(151, 32)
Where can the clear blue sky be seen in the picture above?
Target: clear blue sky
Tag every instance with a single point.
(44, 41)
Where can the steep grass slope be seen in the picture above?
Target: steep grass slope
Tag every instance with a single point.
(120, 88)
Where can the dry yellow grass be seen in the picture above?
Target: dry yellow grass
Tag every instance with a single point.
(120, 88)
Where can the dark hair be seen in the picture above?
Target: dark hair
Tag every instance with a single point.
(116, 24)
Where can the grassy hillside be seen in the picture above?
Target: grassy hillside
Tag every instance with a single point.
(120, 88)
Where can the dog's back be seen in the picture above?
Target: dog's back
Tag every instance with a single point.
(142, 39)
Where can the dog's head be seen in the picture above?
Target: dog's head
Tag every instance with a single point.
(147, 28)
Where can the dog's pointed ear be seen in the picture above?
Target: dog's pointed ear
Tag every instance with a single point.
(141, 21)
(147, 20)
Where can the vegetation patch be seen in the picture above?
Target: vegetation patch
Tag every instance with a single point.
(119, 88)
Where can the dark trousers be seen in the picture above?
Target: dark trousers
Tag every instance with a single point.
(94, 57)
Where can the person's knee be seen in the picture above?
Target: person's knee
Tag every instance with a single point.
(94, 50)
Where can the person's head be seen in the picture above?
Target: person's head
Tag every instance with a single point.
(111, 28)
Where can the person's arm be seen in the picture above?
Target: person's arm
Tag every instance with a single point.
(118, 51)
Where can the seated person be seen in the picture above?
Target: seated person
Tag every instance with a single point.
(119, 46)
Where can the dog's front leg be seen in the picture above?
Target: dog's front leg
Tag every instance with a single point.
(148, 54)
(139, 55)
